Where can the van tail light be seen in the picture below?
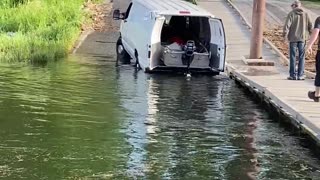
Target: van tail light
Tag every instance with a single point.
(149, 54)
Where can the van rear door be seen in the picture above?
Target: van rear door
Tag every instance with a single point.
(217, 44)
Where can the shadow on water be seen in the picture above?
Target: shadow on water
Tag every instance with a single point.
(84, 118)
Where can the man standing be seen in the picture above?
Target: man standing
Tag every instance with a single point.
(297, 28)
(315, 95)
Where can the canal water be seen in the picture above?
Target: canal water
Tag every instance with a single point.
(85, 119)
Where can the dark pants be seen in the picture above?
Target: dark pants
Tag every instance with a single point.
(317, 80)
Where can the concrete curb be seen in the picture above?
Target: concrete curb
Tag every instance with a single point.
(283, 58)
(80, 40)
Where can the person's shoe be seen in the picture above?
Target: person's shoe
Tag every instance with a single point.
(312, 95)
(302, 78)
(292, 78)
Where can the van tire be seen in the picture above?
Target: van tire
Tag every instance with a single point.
(147, 70)
(122, 55)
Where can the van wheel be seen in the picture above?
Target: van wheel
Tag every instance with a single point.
(147, 70)
(122, 56)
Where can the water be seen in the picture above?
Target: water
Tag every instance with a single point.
(85, 119)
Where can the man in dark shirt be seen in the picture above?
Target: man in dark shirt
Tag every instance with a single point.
(315, 95)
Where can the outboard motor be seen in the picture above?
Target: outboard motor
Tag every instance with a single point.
(188, 55)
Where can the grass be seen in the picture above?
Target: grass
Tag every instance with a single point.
(38, 30)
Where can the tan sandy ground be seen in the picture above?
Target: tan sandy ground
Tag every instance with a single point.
(100, 15)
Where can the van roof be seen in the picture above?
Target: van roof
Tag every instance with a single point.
(174, 7)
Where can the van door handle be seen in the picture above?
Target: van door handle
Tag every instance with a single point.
(125, 21)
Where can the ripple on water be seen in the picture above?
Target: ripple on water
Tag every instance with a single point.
(77, 119)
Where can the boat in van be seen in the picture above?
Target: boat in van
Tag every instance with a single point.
(170, 35)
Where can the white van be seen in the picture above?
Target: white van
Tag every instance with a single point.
(170, 34)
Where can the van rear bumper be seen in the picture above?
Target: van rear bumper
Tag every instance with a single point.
(183, 70)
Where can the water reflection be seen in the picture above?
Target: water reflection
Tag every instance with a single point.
(205, 128)
(182, 127)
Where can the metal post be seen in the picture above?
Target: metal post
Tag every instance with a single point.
(258, 15)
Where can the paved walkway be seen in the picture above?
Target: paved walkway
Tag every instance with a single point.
(291, 96)
(277, 11)
(101, 45)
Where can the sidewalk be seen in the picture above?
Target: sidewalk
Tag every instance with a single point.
(277, 10)
(289, 96)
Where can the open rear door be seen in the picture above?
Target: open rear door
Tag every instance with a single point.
(217, 44)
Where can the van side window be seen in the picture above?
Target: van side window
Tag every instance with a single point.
(137, 13)
(128, 11)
